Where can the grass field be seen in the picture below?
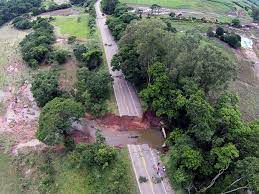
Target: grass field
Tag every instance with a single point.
(75, 25)
(9, 181)
(218, 6)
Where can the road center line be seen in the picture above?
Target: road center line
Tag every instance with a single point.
(155, 162)
(132, 161)
(145, 166)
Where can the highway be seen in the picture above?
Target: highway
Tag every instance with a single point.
(145, 163)
(127, 100)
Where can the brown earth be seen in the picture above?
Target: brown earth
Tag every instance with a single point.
(61, 12)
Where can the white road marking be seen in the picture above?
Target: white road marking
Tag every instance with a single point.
(132, 98)
(125, 100)
(155, 162)
(134, 169)
(145, 166)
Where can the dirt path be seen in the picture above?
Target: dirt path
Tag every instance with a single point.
(247, 44)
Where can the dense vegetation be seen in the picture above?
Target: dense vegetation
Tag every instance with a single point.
(108, 6)
(107, 173)
(52, 7)
(37, 45)
(22, 23)
(45, 87)
(231, 38)
(89, 55)
(119, 20)
(181, 78)
(92, 90)
(56, 119)
(13, 8)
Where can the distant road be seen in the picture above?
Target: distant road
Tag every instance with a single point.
(144, 161)
(127, 100)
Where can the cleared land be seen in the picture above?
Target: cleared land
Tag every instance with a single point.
(76, 25)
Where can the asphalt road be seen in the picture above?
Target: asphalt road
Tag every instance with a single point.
(145, 163)
(127, 100)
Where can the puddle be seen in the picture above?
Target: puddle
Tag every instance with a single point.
(151, 136)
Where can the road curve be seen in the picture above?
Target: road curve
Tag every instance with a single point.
(127, 100)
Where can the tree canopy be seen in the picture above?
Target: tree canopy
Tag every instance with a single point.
(45, 87)
(56, 119)
(37, 45)
(13, 8)
(92, 90)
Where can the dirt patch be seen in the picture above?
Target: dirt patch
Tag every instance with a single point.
(21, 116)
(123, 123)
(67, 77)
(61, 12)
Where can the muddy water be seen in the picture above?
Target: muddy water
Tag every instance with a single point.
(153, 137)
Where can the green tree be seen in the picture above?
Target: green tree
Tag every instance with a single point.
(92, 59)
(108, 6)
(236, 23)
(56, 119)
(61, 56)
(92, 90)
(220, 31)
(45, 87)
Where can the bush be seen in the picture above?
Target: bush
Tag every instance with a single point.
(56, 119)
(236, 23)
(45, 87)
(220, 31)
(93, 90)
(71, 39)
(61, 56)
(210, 32)
(22, 23)
(12, 8)
(36, 46)
(92, 59)
(233, 40)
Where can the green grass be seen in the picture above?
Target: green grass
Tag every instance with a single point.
(9, 181)
(68, 180)
(216, 6)
(75, 25)
(71, 181)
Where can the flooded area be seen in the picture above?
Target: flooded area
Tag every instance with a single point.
(120, 138)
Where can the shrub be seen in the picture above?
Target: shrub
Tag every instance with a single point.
(219, 31)
(236, 23)
(36, 46)
(71, 39)
(45, 87)
(61, 56)
(22, 23)
(233, 40)
(210, 32)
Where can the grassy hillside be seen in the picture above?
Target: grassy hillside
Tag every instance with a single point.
(9, 181)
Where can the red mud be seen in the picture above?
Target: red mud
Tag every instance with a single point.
(127, 123)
